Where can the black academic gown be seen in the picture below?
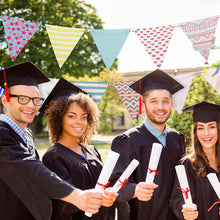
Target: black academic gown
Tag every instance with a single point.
(136, 143)
(79, 172)
(203, 195)
(26, 185)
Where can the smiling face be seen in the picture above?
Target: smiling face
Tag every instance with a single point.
(21, 114)
(207, 134)
(158, 106)
(74, 122)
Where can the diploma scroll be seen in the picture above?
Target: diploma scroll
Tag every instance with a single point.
(106, 172)
(153, 163)
(213, 179)
(125, 175)
(184, 185)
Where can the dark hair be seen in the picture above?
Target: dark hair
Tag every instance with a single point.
(58, 108)
(197, 156)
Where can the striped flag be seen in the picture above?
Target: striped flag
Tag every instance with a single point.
(95, 89)
(2, 91)
(63, 41)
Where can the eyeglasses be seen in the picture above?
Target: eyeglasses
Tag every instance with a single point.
(23, 99)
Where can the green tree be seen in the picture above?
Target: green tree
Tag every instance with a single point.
(111, 104)
(200, 90)
(84, 59)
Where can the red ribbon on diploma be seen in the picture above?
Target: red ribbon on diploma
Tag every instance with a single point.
(103, 186)
(122, 183)
(185, 191)
(213, 205)
(153, 171)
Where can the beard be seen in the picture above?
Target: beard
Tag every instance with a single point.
(156, 120)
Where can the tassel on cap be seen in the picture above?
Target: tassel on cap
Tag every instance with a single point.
(6, 87)
(140, 101)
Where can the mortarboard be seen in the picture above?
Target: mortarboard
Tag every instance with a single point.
(25, 73)
(156, 80)
(204, 112)
(62, 89)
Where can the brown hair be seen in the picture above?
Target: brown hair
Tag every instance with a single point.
(197, 156)
(58, 108)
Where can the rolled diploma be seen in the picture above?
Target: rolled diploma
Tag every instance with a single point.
(181, 174)
(106, 172)
(153, 163)
(125, 175)
(213, 179)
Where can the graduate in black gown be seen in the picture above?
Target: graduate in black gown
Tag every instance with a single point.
(72, 119)
(204, 158)
(138, 200)
(26, 185)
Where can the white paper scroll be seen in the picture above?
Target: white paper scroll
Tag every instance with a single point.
(125, 175)
(106, 172)
(184, 185)
(153, 163)
(213, 179)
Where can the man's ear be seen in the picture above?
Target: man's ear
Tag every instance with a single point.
(4, 100)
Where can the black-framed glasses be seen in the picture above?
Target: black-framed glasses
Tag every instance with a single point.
(23, 99)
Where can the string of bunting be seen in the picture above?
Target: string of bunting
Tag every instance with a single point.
(110, 41)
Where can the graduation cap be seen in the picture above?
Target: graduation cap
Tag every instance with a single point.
(155, 80)
(62, 89)
(25, 73)
(204, 112)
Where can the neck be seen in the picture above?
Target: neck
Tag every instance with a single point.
(72, 144)
(158, 126)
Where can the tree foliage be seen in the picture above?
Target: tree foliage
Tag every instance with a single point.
(84, 59)
(200, 90)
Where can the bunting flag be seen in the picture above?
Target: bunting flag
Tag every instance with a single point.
(63, 41)
(109, 43)
(129, 97)
(179, 97)
(213, 77)
(201, 33)
(95, 89)
(18, 33)
(2, 91)
(156, 41)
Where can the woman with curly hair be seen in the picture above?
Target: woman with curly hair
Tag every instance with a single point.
(203, 159)
(73, 118)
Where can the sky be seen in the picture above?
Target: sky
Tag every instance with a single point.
(120, 14)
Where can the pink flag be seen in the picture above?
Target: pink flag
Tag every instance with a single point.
(18, 33)
(156, 41)
(129, 97)
(201, 33)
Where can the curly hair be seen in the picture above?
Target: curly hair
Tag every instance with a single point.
(197, 156)
(58, 108)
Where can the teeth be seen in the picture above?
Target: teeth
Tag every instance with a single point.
(209, 139)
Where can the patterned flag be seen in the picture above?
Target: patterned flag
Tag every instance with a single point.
(18, 33)
(129, 97)
(201, 33)
(213, 77)
(156, 41)
(63, 40)
(109, 43)
(2, 91)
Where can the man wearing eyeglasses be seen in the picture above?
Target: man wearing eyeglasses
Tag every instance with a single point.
(26, 186)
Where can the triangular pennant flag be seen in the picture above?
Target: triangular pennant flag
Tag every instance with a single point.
(156, 41)
(179, 97)
(201, 33)
(18, 33)
(109, 43)
(63, 41)
(129, 97)
(2, 91)
(95, 89)
(213, 77)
